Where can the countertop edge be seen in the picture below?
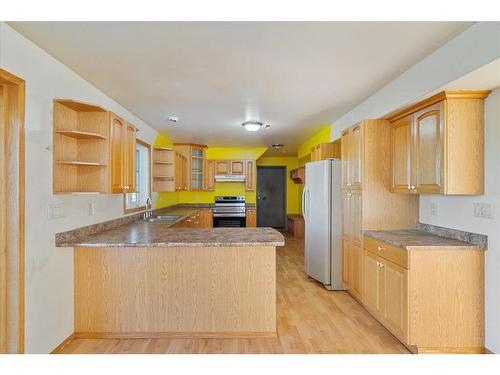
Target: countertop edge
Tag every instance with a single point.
(175, 244)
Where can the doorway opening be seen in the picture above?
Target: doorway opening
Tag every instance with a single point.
(12, 176)
(271, 197)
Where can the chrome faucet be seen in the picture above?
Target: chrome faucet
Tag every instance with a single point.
(149, 210)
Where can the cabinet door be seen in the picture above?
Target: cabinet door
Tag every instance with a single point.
(356, 274)
(346, 237)
(238, 167)
(355, 157)
(130, 159)
(345, 159)
(395, 291)
(251, 219)
(222, 167)
(117, 143)
(185, 172)
(250, 175)
(206, 218)
(400, 155)
(209, 175)
(197, 168)
(356, 216)
(372, 283)
(426, 169)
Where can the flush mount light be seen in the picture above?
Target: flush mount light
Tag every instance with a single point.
(173, 118)
(252, 126)
(278, 146)
(267, 126)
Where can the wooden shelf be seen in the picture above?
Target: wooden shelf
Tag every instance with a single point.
(80, 106)
(80, 134)
(163, 162)
(83, 163)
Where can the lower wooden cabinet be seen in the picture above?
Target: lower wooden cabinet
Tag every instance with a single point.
(432, 299)
(251, 217)
(200, 219)
(206, 218)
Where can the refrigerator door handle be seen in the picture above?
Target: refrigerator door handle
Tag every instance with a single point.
(304, 202)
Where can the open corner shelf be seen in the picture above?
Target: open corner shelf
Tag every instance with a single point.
(163, 169)
(76, 134)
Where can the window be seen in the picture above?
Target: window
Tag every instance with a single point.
(137, 201)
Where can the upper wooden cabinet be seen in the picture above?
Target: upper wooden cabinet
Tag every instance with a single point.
(222, 167)
(94, 150)
(351, 158)
(191, 166)
(437, 146)
(237, 167)
(250, 179)
(298, 175)
(324, 151)
(209, 175)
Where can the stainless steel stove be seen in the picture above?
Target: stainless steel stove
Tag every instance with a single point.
(229, 211)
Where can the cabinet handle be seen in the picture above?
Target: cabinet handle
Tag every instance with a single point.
(380, 248)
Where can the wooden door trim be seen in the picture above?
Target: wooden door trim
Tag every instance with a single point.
(141, 208)
(8, 79)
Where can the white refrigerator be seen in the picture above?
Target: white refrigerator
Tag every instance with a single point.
(321, 208)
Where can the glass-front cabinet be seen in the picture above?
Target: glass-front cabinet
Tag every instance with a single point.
(197, 167)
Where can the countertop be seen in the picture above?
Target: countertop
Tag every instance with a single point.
(158, 234)
(413, 238)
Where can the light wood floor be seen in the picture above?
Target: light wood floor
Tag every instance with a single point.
(311, 319)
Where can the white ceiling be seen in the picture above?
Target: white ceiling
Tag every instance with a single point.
(295, 76)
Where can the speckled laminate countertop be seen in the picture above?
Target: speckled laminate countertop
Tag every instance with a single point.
(159, 234)
(410, 238)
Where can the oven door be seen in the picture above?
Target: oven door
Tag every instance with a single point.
(229, 221)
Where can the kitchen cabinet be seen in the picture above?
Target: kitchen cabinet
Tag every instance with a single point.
(237, 167)
(210, 175)
(295, 225)
(413, 293)
(298, 175)
(206, 218)
(250, 175)
(191, 166)
(437, 146)
(367, 203)
(94, 149)
(200, 219)
(122, 144)
(180, 173)
(351, 158)
(222, 167)
(251, 217)
(163, 171)
(324, 151)
(352, 240)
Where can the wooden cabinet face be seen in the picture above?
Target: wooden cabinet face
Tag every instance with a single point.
(209, 175)
(129, 158)
(197, 168)
(346, 213)
(355, 157)
(345, 159)
(356, 272)
(222, 167)
(395, 291)
(345, 262)
(251, 219)
(428, 152)
(117, 142)
(206, 218)
(371, 289)
(250, 178)
(355, 209)
(400, 151)
(238, 167)
(180, 172)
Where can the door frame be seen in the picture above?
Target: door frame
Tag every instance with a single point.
(282, 167)
(13, 112)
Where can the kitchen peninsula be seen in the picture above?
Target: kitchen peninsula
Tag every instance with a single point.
(151, 279)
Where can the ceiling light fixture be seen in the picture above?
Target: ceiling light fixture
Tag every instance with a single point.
(278, 146)
(173, 118)
(267, 126)
(252, 126)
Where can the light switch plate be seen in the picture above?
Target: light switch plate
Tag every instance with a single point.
(55, 211)
(483, 210)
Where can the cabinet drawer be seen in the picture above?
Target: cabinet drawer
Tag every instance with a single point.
(386, 251)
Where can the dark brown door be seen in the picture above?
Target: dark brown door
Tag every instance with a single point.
(271, 197)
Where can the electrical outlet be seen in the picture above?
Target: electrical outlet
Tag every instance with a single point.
(434, 209)
(55, 211)
(91, 209)
(483, 210)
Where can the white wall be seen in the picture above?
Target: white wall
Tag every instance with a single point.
(49, 270)
(469, 61)
(457, 212)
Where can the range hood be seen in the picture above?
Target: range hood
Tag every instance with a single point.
(230, 178)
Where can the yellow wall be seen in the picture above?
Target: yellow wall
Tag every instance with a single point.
(292, 190)
(321, 137)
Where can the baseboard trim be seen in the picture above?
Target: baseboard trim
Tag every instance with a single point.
(163, 335)
(487, 351)
(59, 347)
(439, 350)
